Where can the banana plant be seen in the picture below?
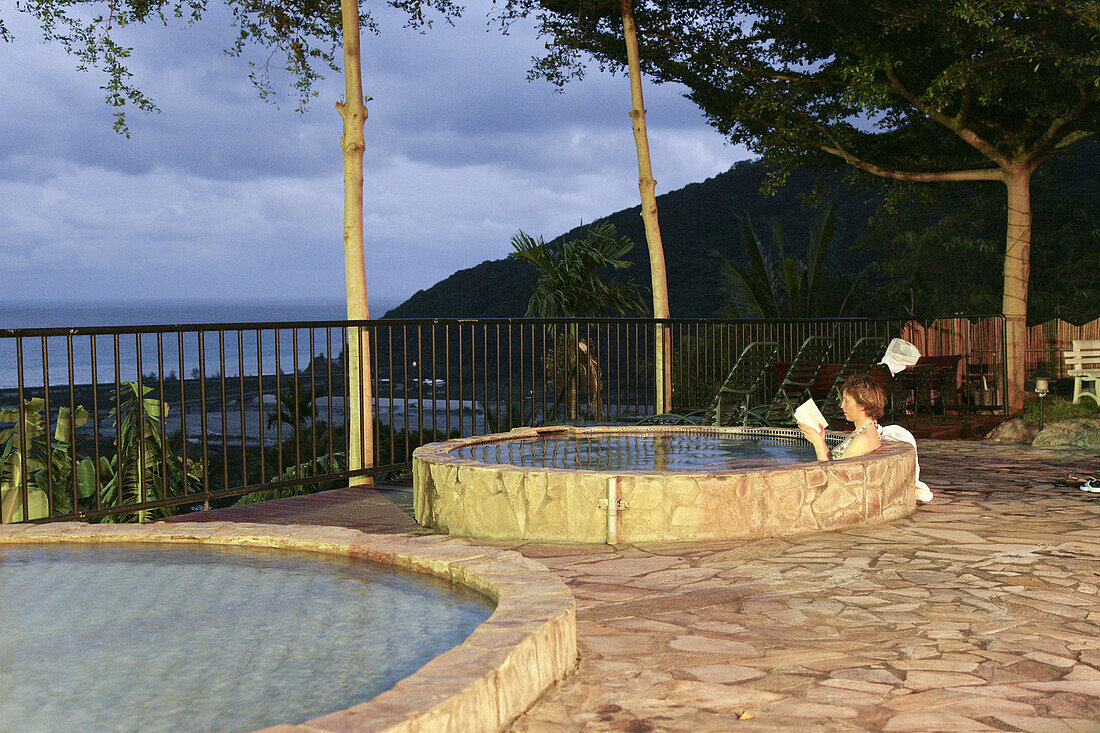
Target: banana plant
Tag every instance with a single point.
(143, 467)
(28, 456)
(58, 479)
(573, 367)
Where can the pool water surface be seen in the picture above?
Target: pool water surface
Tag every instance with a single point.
(192, 638)
(642, 452)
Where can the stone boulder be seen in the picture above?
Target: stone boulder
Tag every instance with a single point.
(1012, 431)
(1081, 433)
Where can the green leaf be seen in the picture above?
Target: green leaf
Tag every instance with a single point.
(11, 505)
(66, 423)
(85, 478)
(155, 408)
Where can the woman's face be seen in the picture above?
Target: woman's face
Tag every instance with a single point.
(852, 409)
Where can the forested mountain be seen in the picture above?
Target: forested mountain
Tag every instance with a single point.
(923, 249)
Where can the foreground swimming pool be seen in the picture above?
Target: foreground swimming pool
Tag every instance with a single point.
(193, 638)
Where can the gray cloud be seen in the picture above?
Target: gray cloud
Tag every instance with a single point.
(222, 194)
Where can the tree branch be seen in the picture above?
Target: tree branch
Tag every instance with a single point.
(1071, 138)
(977, 174)
(765, 73)
(1049, 142)
(838, 150)
(964, 107)
(964, 133)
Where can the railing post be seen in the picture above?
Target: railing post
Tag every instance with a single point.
(1006, 397)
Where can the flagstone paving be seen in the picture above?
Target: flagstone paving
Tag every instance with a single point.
(978, 612)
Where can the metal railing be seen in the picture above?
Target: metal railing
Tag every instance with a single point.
(137, 422)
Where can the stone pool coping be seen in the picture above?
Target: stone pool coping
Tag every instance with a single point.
(528, 643)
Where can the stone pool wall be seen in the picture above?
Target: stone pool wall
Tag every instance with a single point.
(527, 644)
(473, 499)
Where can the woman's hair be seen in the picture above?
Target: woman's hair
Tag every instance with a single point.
(866, 393)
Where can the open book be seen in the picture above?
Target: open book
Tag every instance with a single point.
(808, 414)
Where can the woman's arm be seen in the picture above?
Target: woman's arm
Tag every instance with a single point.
(816, 436)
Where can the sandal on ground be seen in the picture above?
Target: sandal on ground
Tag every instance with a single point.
(1091, 485)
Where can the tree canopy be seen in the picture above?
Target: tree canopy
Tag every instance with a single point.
(303, 38)
(930, 91)
(893, 87)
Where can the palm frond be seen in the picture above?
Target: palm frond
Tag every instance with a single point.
(571, 281)
(744, 293)
(761, 275)
(775, 283)
(819, 247)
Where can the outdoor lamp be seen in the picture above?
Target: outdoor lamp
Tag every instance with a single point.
(1042, 389)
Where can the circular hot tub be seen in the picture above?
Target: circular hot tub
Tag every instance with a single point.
(611, 484)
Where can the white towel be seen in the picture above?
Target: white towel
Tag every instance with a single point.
(900, 434)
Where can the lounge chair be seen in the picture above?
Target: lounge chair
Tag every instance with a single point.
(796, 384)
(861, 360)
(731, 402)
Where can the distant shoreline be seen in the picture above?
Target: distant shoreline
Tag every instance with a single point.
(80, 313)
(137, 314)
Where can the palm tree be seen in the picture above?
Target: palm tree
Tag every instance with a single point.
(775, 284)
(571, 285)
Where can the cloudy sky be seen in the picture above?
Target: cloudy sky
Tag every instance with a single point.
(223, 195)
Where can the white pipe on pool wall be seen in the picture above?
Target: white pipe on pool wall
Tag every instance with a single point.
(612, 510)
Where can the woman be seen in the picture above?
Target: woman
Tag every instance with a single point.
(862, 401)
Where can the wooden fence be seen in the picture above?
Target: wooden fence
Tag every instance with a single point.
(981, 344)
(1047, 341)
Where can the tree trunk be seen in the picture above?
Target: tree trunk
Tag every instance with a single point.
(573, 374)
(1017, 270)
(647, 186)
(1016, 175)
(358, 413)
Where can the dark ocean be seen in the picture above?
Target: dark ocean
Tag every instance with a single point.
(251, 349)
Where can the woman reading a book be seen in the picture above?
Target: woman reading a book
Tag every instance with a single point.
(863, 401)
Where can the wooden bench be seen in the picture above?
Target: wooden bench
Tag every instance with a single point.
(1083, 364)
